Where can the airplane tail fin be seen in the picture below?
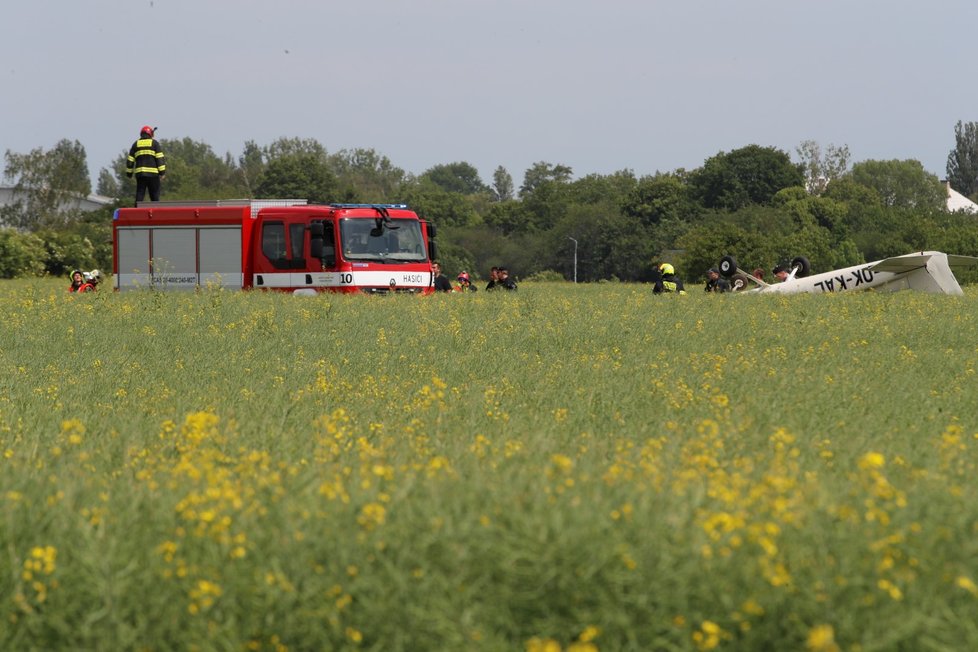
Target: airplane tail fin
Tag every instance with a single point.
(928, 271)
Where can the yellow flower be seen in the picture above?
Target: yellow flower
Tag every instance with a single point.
(871, 461)
(967, 584)
(562, 462)
(73, 430)
(536, 644)
(708, 636)
(892, 589)
(42, 559)
(582, 647)
(821, 638)
(372, 515)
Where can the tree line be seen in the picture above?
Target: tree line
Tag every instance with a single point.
(754, 202)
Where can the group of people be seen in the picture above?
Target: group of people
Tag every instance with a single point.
(667, 281)
(498, 278)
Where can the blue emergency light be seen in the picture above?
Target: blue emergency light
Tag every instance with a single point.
(369, 205)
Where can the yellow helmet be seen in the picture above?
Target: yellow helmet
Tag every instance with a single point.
(666, 268)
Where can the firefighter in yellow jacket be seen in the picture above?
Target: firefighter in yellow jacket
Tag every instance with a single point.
(147, 162)
(666, 280)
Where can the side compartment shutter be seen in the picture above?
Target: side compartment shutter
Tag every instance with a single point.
(133, 245)
(220, 257)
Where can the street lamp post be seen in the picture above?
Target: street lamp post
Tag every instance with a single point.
(575, 257)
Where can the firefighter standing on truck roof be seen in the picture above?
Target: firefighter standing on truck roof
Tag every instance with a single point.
(147, 162)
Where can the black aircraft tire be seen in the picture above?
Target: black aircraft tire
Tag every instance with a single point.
(738, 282)
(804, 267)
(728, 266)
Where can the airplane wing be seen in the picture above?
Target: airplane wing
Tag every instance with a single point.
(911, 262)
(961, 262)
(902, 264)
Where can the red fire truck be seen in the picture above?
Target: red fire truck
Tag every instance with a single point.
(282, 244)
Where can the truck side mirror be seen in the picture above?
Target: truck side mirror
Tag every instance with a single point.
(432, 250)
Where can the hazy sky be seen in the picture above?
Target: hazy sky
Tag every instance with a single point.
(598, 85)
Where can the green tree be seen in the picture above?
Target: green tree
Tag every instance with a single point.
(194, 171)
(541, 173)
(291, 146)
(749, 175)
(545, 195)
(610, 245)
(660, 198)
(251, 165)
(962, 162)
(902, 184)
(821, 167)
(108, 184)
(435, 203)
(480, 246)
(599, 189)
(825, 212)
(862, 206)
(46, 185)
(365, 175)
(545, 204)
(705, 243)
(302, 175)
(502, 184)
(460, 177)
(507, 217)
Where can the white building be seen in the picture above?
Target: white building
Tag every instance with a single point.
(8, 195)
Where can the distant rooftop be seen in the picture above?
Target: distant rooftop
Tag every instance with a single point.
(8, 195)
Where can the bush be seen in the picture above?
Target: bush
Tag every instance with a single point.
(67, 251)
(21, 254)
(545, 276)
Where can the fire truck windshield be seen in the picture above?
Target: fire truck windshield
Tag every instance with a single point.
(394, 241)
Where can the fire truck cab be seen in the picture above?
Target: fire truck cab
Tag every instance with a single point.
(285, 245)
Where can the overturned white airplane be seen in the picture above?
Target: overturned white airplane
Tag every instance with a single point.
(926, 271)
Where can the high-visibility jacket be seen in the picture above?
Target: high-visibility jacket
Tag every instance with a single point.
(146, 158)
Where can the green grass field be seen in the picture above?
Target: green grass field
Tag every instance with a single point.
(566, 468)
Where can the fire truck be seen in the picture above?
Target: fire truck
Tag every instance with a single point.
(279, 244)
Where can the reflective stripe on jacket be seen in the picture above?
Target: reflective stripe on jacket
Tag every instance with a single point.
(146, 157)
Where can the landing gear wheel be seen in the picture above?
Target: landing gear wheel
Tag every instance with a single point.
(804, 268)
(728, 266)
(738, 282)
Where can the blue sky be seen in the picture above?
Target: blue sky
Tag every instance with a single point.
(597, 85)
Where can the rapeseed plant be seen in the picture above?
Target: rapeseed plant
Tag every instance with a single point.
(539, 471)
